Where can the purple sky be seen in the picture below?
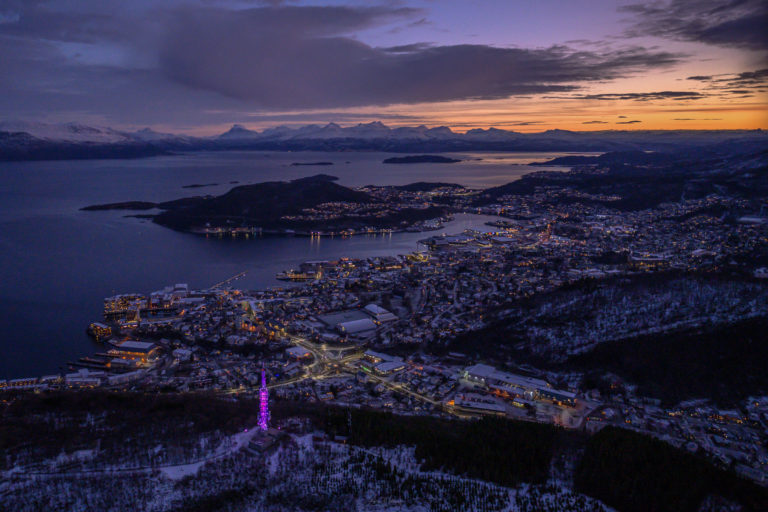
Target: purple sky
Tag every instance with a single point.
(200, 65)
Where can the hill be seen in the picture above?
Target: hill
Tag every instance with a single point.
(315, 203)
(262, 204)
(637, 181)
(118, 450)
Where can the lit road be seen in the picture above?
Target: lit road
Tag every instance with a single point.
(322, 359)
(326, 365)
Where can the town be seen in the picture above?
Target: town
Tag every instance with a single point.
(380, 332)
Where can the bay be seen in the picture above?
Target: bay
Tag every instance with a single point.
(57, 263)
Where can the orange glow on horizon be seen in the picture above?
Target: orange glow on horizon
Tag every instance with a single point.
(528, 115)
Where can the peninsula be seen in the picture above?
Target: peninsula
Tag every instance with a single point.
(315, 205)
(421, 159)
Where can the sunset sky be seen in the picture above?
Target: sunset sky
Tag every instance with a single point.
(197, 66)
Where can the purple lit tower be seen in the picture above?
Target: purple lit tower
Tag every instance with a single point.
(263, 404)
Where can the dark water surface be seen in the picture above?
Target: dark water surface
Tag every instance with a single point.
(58, 263)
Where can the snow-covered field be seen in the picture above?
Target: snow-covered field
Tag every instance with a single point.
(574, 322)
(298, 475)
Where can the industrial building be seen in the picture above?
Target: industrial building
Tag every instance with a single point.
(356, 327)
(512, 385)
(379, 314)
(382, 364)
(137, 350)
(298, 352)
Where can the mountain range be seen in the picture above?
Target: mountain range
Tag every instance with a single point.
(23, 140)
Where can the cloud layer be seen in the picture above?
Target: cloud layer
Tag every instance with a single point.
(301, 58)
(239, 60)
(733, 23)
(282, 57)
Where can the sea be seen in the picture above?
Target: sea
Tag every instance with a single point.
(57, 263)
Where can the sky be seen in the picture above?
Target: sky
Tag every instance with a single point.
(198, 66)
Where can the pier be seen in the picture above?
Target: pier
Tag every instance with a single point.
(227, 281)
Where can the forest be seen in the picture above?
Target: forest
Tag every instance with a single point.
(439, 459)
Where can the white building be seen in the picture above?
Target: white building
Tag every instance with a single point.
(356, 326)
(516, 385)
(379, 314)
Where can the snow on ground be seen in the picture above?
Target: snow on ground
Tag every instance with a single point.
(227, 447)
(179, 472)
(298, 474)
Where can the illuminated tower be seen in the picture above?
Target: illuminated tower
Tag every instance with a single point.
(263, 403)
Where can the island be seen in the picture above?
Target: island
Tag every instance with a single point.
(311, 206)
(421, 159)
(298, 164)
(200, 185)
(126, 205)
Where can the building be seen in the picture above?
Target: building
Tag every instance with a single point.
(389, 367)
(510, 385)
(263, 441)
(382, 364)
(50, 379)
(379, 314)
(119, 364)
(182, 354)
(99, 330)
(354, 327)
(120, 304)
(377, 357)
(649, 261)
(137, 350)
(332, 319)
(23, 383)
(298, 352)
(125, 378)
(84, 378)
(472, 402)
(558, 397)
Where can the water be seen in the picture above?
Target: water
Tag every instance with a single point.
(58, 263)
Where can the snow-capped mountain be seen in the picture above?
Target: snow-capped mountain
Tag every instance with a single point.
(364, 131)
(150, 135)
(21, 140)
(238, 131)
(67, 132)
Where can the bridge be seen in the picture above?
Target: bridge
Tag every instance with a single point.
(227, 281)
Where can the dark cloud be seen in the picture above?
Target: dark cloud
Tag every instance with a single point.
(634, 121)
(408, 48)
(595, 122)
(757, 77)
(520, 123)
(306, 64)
(330, 116)
(730, 23)
(735, 85)
(144, 61)
(760, 74)
(751, 79)
(622, 117)
(641, 96)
